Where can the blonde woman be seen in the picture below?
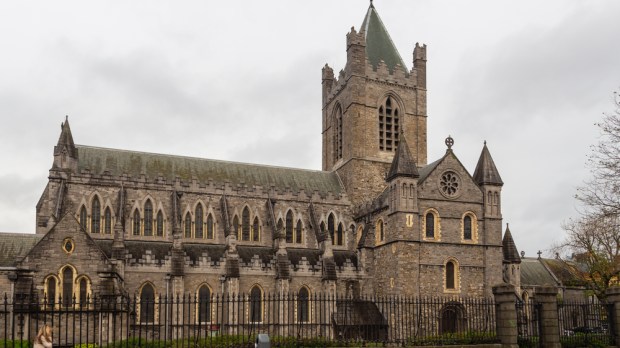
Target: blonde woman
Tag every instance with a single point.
(44, 337)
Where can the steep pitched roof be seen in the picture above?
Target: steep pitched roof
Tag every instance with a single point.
(403, 163)
(534, 272)
(509, 248)
(379, 45)
(486, 173)
(65, 140)
(14, 246)
(118, 162)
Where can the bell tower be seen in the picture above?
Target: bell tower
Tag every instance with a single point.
(372, 103)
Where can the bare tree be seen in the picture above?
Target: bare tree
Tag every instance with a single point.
(594, 237)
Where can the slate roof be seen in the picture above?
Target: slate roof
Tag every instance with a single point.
(403, 163)
(341, 256)
(197, 250)
(14, 246)
(486, 173)
(379, 44)
(247, 253)
(311, 255)
(427, 169)
(133, 163)
(533, 272)
(566, 272)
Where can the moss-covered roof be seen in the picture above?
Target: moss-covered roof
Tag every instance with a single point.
(119, 162)
(14, 246)
(379, 45)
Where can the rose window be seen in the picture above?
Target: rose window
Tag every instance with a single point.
(449, 184)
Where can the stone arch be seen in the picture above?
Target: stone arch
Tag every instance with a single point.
(452, 317)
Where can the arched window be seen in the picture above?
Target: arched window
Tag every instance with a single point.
(245, 224)
(210, 226)
(160, 224)
(83, 284)
(339, 235)
(83, 217)
(256, 305)
(148, 218)
(430, 225)
(188, 225)
(388, 125)
(147, 304)
(280, 226)
(136, 223)
(467, 227)
(298, 233)
(331, 227)
(358, 234)
(67, 286)
(107, 221)
(51, 291)
(451, 275)
(289, 227)
(338, 134)
(95, 216)
(303, 305)
(380, 235)
(198, 226)
(256, 230)
(236, 227)
(322, 226)
(204, 304)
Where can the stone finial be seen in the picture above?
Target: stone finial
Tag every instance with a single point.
(449, 142)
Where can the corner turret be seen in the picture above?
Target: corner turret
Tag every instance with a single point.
(65, 152)
(512, 261)
(488, 178)
(403, 179)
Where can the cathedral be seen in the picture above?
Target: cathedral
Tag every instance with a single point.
(377, 219)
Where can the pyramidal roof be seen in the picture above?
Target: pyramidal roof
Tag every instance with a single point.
(486, 173)
(379, 45)
(403, 163)
(509, 248)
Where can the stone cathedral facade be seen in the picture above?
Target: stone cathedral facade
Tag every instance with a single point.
(377, 219)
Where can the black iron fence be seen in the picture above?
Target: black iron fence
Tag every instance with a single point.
(587, 323)
(236, 320)
(528, 323)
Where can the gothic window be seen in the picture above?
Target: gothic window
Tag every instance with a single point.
(236, 227)
(298, 233)
(83, 293)
(451, 275)
(204, 304)
(303, 305)
(289, 227)
(467, 227)
(136, 223)
(279, 226)
(322, 226)
(147, 304)
(496, 202)
(67, 286)
(388, 125)
(256, 230)
(188, 225)
(331, 227)
(256, 304)
(339, 235)
(51, 291)
(107, 221)
(148, 218)
(379, 233)
(95, 215)
(430, 225)
(83, 217)
(450, 184)
(358, 234)
(198, 225)
(338, 134)
(160, 224)
(404, 193)
(210, 226)
(245, 224)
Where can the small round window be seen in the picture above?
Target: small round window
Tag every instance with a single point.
(450, 184)
(68, 246)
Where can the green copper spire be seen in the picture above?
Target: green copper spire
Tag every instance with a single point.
(379, 45)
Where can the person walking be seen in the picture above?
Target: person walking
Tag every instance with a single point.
(44, 337)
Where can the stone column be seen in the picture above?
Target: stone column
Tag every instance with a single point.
(613, 297)
(547, 297)
(506, 315)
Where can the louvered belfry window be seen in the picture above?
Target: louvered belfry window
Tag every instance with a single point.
(388, 125)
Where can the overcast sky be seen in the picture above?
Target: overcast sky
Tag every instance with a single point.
(241, 81)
